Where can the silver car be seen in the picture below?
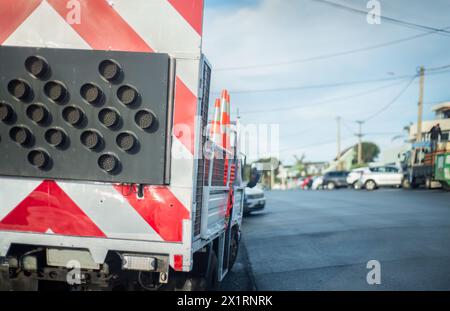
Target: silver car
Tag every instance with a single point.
(254, 200)
(381, 176)
(354, 178)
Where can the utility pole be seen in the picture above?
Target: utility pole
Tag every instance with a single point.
(420, 114)
(360, 136)
(272, 176)
(338, 158)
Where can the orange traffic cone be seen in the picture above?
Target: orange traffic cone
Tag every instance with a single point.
(215, 124)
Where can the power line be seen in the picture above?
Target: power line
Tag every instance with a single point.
(332, 100)
(326, 85)
(316, 86)
(386, 18)
(298, 133)
(382, 134)
(436, 102)
(348, 128)
(327, 56)
(328, 142)
(432, 69)
(392, 101)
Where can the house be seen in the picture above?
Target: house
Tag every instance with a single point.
(442, 116)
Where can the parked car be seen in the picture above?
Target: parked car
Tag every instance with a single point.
(354, 177)
(307, 183)
(336, 179)
(382, 176)
(254, 200)
(317, 183)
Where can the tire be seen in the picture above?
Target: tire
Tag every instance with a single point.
(406, 184)
(445, 186)
(356, 185)
(428, 183)
(212, 274)
(331, 186)
(370, 185)
(203, 277)
(234, 247)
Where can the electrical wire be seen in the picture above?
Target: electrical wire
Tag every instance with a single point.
(382, 134)
(441, 31)
(347, 127)
(326, 101)
(326, 56)
(437, 68)
(325, 85)
(328, 142)
(393, 101)
(316, 86)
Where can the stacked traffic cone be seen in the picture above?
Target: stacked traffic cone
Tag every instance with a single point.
(225, 119)
(215, 133)
(225, 128)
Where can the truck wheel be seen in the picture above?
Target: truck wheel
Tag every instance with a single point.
(370, 185)
(406, 184)
(445, 186)
(234, 247)
(212, 274)
(428, 183)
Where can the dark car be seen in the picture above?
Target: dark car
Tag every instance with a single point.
(334, 180)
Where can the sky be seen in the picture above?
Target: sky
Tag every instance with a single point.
(255, 46)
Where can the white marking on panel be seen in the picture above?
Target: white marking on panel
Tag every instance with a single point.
(181, 180)
(46, 28)
(189, 72)
(14, 191)
(110, 211)
(165, 31)
(160, 25)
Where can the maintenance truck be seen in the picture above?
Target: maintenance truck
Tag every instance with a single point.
(108, 177)
(428, 166)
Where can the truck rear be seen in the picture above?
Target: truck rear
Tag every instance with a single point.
(425, 166)
(108, 177)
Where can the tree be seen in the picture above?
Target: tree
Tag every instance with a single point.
(370, 152)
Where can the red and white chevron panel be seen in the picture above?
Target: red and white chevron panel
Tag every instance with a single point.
(102, 210)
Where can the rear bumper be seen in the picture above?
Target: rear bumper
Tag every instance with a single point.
(99, 247)
(254, 205)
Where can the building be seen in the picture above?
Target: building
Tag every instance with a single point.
(442, 116)
(315, 168)
(344, 163)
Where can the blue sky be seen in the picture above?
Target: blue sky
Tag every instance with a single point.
(260, 32)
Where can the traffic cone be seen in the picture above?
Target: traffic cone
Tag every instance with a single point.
(223, 117)
(228, 122)
(215, 124)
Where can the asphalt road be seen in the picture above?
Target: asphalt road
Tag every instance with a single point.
(323, 240)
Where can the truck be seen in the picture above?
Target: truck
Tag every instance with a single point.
(428, 166)
(109, 178)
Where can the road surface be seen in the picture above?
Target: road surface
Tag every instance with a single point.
(323, 240)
